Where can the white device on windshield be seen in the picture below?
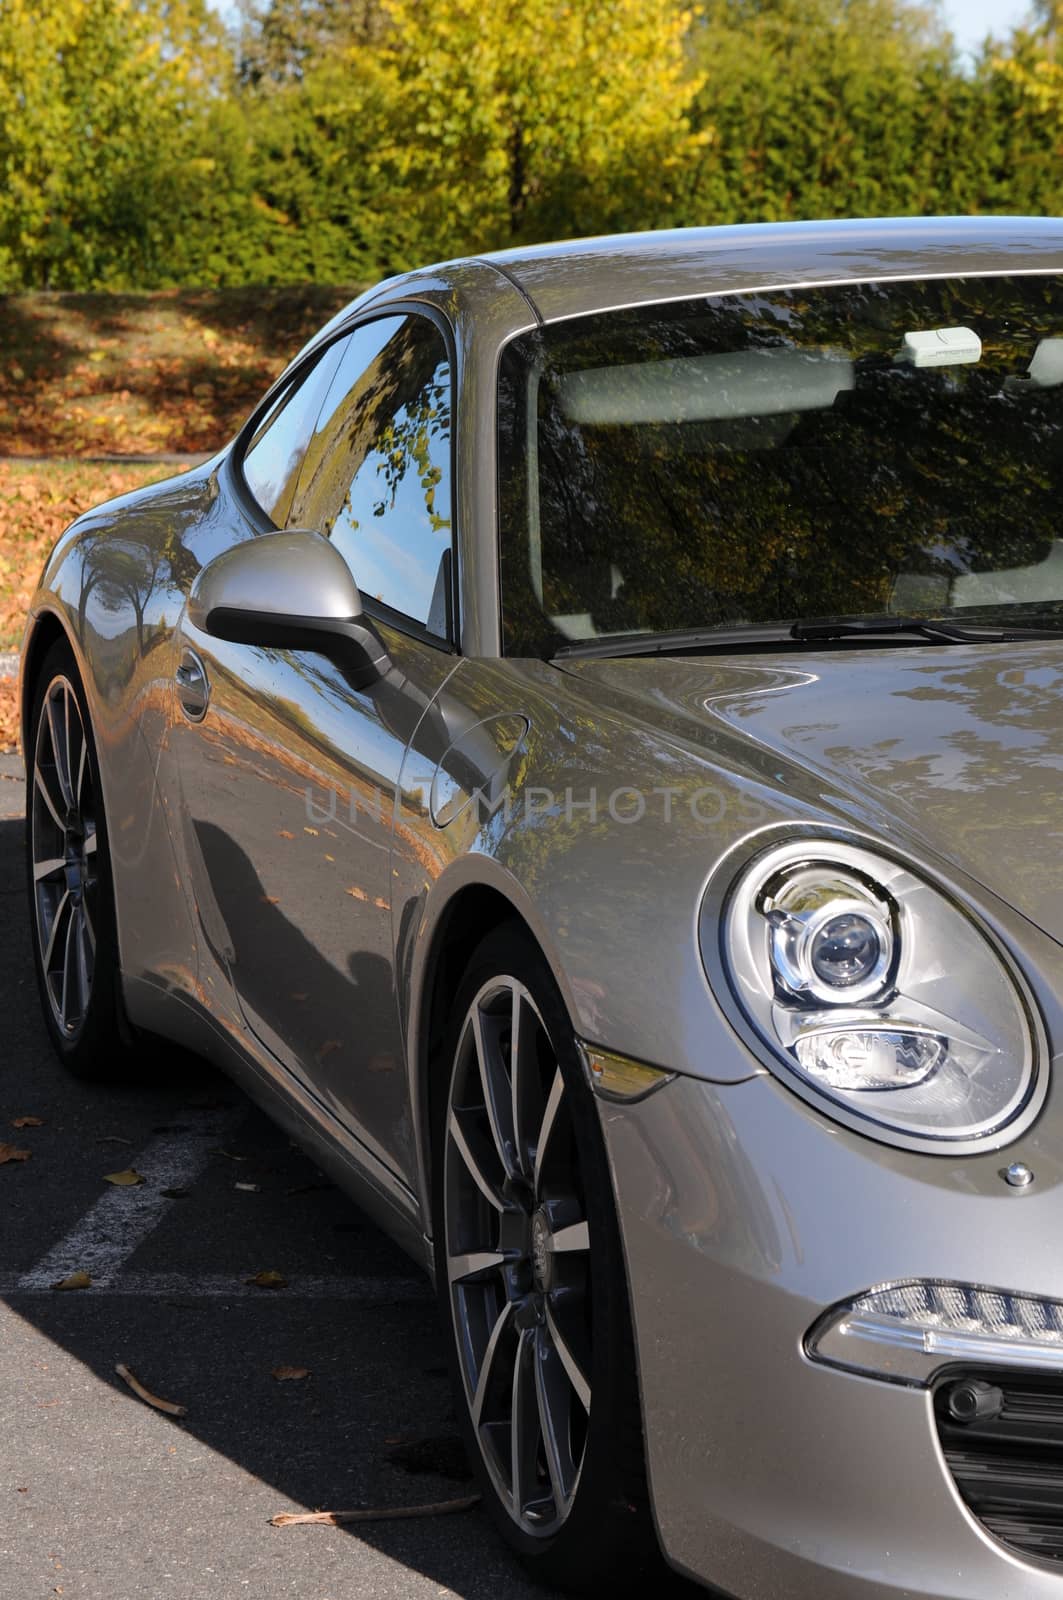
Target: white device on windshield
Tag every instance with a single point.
(941, 347)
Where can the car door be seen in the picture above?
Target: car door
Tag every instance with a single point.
(289, 773)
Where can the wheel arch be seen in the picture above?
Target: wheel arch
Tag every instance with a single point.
(452, 930)
(45, 630)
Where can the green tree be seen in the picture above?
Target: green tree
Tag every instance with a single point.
(821, 108)
(280, 39)
(143, 145)
(462, 127)
(1021, 80)
(104, 106)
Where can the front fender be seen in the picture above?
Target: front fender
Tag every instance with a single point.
(603, 840)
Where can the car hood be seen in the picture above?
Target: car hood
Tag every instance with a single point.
(957, 750)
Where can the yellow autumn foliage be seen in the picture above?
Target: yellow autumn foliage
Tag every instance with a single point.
(504, 120)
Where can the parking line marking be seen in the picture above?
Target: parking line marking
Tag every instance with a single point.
(121, 1219)
(222, 1286)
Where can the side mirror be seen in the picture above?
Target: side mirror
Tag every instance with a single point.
(289, 591)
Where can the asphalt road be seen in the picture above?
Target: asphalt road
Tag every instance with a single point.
(104, 1498)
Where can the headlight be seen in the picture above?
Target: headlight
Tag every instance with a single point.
(873, 991)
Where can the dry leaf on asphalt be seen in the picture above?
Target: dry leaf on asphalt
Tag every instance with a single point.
(76, 1280)
(28, 1122)
(124, 1180)
(440, 1508)
(146, 1395)
(268, 1280)
(175, 1194)
(248, 1188)
(9, 1152)
(289, 1374)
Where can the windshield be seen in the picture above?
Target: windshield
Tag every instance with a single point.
(854, 451)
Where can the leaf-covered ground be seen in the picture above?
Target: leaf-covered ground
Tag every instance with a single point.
(131, 374)
(37, 501)
(8, 715)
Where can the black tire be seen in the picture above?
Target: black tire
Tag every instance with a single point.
(95, 1039)
(606, 1538)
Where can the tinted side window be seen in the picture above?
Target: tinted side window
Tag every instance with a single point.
(273, 458)
(376, 477)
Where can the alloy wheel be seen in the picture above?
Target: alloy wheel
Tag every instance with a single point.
(63, 846)
(517, 1248)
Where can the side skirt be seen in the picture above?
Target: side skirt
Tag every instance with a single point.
(378, 1190)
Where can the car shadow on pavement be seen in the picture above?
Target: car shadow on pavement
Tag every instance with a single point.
(369, 1425)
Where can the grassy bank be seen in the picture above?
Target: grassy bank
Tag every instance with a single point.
(102, 374)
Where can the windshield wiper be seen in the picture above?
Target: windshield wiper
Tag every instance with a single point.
(704, 641)
(941, 632)
(676, 642)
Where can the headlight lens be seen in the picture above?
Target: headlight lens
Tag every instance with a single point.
(829, 934)
(847, 949)
(872, 988)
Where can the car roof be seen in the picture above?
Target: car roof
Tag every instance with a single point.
(585, 275)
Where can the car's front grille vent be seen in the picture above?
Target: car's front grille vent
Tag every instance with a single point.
(1008, 1461)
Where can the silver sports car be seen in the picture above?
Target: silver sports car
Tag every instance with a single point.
(588, 757)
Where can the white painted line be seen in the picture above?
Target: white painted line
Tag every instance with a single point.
(122, 1218)
(221, 1286)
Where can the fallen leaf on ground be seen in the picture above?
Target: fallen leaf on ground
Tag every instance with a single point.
(10, 1152)
(124, 1180)
(289, 1374)
(175, 1194)
(230, 1155)
(439, 1508)
(171, 1409)
(248, 1188)
(76, 1280)
(28, 1122)
(268, 1280)
(112, 1138)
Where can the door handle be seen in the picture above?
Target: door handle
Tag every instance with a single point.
(193, 686)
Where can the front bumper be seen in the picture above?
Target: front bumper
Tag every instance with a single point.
(745, 1215)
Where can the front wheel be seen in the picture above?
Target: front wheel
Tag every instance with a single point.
(532, 1282)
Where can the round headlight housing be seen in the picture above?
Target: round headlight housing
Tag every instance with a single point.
(870, 990)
